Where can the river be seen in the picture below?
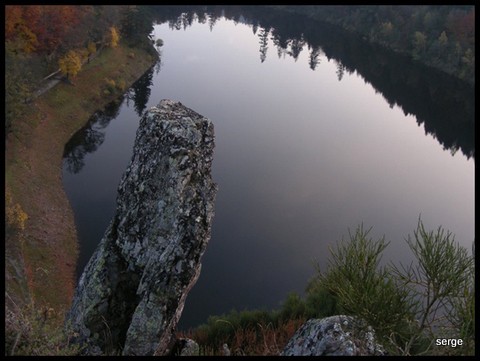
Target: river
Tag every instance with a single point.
(312, 140)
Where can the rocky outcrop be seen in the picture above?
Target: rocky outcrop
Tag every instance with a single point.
(132, 292)
(333, 336)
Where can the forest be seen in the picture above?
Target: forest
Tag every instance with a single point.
(40, 40)
(440, 36)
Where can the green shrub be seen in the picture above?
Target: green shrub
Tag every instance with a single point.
(320, 302)
(440, 286)
(293, 307)
(365, 289)
(409, 307)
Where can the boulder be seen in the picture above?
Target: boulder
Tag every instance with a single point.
(185, 347)
(132, 291)
(333, 336)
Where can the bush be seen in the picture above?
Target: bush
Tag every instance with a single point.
(364, 288)
(110, 85)
(293, 307)
(320, 302)
(440, 286)
(409, 307)
(121, 85)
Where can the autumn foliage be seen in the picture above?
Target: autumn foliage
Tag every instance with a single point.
(113, 37)
(43, 28)
(49, 32)
(15, 216)
(70, 64)
(42, 39)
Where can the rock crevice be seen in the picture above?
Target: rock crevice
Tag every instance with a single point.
(132, 292)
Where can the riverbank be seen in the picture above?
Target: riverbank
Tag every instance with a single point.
(41, 256)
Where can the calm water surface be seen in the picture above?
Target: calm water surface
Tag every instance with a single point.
(301, 157)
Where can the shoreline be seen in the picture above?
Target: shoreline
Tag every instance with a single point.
(41, 259)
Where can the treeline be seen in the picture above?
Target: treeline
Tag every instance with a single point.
(41, 39)
(442, 102)
(441, 36)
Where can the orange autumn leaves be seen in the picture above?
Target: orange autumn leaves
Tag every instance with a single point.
(55, 31)
(40, 28)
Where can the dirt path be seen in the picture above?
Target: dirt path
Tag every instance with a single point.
(47, 85)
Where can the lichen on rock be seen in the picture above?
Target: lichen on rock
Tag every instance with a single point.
(334, 336)
(132, 292)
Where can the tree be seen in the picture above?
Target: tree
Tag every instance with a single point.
(340, 71)
(419, 44)
(70, 64)
(386, 31)
(17, 33)
(113, 37)
(50, 24)
(141, 91)
(296, 47)
(468, 64)
(314, 57)
(443, 39)
(263, 35)
(136, 24)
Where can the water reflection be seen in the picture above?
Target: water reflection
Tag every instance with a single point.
(139, 93)
(91, 175)
(92, 135)
(263, 35)
(89, 138)
(444, 105)
(300, 156)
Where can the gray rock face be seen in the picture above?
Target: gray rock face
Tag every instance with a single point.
(186, 347)
(132, 292)
(333, 336)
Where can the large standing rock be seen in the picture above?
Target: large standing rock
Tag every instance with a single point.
(333, 336)
(132, 292)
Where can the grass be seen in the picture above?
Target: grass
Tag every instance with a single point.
(33, 331)
(41, 257)
(245, 333)
(261, 332)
